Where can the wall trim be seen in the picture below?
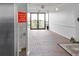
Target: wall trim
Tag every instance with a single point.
(60, 34)
(65, 25)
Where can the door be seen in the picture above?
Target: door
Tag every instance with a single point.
(7, 29)
(37, 21)
(33, 21)
(41, 20)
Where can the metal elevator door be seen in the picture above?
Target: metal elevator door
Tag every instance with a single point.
(6, 29)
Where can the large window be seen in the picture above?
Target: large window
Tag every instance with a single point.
(37, 20)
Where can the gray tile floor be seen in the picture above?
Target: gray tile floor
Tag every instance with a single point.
(44, 43)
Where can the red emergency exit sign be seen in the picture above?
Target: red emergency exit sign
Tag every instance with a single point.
(22, 17)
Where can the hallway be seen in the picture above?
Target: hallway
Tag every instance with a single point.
(44, 43)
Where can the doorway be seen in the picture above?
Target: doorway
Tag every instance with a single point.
(37, 21)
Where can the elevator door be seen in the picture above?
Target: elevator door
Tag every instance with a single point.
(6, 29)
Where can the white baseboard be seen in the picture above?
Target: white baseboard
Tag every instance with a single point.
(61, 34)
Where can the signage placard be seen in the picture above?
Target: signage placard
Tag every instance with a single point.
(22, 17)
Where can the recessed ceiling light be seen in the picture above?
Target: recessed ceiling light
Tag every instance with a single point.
(57, 9)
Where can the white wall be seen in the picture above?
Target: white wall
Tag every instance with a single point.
(22, 38)
(64, 22)
(76, 14)
(20, 28)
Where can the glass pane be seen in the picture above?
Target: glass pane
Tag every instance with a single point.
(33, 20)
(46, 19)
(41, 20)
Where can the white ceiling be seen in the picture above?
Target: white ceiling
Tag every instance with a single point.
(46, 4)
(35, 7)
(51, 7)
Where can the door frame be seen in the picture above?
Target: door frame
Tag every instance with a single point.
(37, 20)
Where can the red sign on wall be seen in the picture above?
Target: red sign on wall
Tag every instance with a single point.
(22, 17)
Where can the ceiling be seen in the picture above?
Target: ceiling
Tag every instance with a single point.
(51, 7)
(45, 4)
(43, 7)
